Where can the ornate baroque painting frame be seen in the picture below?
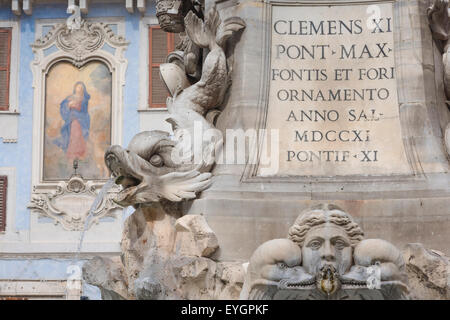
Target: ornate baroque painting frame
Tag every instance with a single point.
(56, 42)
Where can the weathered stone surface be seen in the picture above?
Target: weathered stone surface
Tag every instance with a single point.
(148, 230)
(194, 237)
(188, 277)
(151, 268)
(231, 278)
(107, 274)
(166, 258)
(428, 272)
(397, 220)
(149, 289)
(196, 277)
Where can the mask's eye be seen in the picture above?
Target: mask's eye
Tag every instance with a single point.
(315, 244)
(340, 244)
(282, 265)
(156, 160)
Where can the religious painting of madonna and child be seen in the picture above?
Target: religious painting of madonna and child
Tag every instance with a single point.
(77, 121)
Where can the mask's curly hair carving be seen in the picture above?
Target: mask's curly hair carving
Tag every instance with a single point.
(321, 214)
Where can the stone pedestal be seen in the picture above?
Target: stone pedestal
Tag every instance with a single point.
(411, 204)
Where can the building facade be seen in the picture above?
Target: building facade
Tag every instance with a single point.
(354, 95)
(113, 85)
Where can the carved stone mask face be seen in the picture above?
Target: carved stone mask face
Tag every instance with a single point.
(327, 244)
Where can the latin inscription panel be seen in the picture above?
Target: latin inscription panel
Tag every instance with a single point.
(333, 91)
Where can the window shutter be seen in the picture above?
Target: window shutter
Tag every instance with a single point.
(161, 43)
(5, 62)
(3, 188)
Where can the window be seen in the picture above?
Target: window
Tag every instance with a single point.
(3, 188)
(5, 65)
(161, 43)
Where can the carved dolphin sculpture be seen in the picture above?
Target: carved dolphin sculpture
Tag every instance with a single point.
(147, 172)
(150, 169)
(371, 251)
(375, 252)
(273, 263)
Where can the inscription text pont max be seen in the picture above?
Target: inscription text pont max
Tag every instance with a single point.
(333, 90)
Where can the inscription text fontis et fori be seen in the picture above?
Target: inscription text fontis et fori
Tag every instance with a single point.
(333, 91)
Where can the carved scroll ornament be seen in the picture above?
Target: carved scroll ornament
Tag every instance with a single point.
(71, 202)
(80, 43)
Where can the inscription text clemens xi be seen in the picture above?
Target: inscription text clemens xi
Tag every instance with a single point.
(333, 91)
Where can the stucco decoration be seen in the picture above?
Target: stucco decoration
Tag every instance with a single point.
(157, 165)
(326, 257)
(71, 202)
(440, 27)
(67, 201)
(80, 43)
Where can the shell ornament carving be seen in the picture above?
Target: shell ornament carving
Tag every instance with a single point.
(70, 203)
(81, 42)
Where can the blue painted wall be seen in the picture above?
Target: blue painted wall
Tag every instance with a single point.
(42, 269)
(19, 154)
(45, 269)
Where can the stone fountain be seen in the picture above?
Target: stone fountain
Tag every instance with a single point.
(202, 228)
(166, 255)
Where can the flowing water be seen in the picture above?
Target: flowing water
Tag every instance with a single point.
(101, 194)
(74, 270)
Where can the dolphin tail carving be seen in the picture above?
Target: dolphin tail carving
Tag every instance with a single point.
(212, 32)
